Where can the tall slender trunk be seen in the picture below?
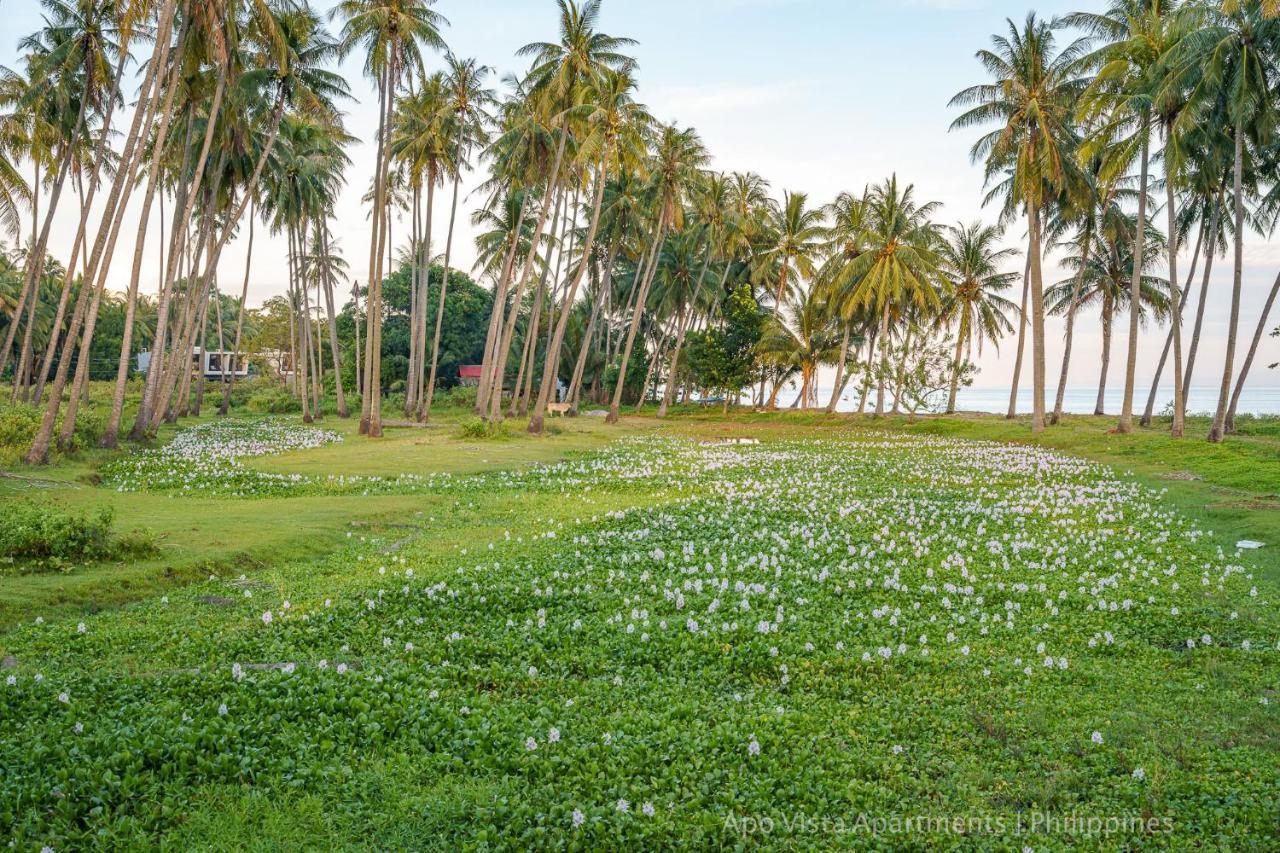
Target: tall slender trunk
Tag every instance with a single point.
(492, 372)
(1060, 392)
(1022, 340)
(104, 246)
(551, 369)
(961, 333)
(1253, 350)
(1148, 412)
(1037, 323)
(884, 359)
(424, 413)
(1108, 310)
(498, 368)
(371, 403)
(1135, 287)
(1210, 254)
(35, 260)
(1218, 429)
(155, 393)
(355, 316)
(838, 385)
(529, 352)
(111, 433)
(636, 316)
(229, 385)
(1179, 403)
(498, 309)
(575, 384)
(334, 350)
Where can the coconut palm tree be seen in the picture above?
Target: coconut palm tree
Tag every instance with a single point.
(392, 35)
(1227, 63)
(971, 261)
(1031, 102)
(900, 267)
(469, 104)
(846, 241)
(798, 233)
(678, 159)
(1118, 104)
(1102, 279)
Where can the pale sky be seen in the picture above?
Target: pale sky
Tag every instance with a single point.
(815, 95)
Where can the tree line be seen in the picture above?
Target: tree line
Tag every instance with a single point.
(615, 261)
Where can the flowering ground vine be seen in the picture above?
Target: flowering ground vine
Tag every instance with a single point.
(831, 628)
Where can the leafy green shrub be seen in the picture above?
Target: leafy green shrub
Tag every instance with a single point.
(273, 400)
(460, 397)
(481, 430)
(18, 425)
(41, 537)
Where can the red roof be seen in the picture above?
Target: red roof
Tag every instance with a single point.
(469, 371)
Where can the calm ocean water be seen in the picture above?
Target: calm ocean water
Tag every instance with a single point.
(1078, 400)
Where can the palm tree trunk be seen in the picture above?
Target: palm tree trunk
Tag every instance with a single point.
(837, 386)
(229, 386)
(1148, 413)
(373, 303)
(1253, 350)
(155, 393)
(1022, 340)
(1217, 431)
(1037, 324)
(636, 315)
(1060, 392)
(955, 371)
(424, 414)
(1210, 253)
(884, 359)
(491, 378)
(498, 309)
(1108, 309)
(1135, 288)
(334, 350)
(503, 352)
(113, 212)
(575, 385)
(551, 369)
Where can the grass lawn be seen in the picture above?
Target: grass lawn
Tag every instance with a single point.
(660, 641)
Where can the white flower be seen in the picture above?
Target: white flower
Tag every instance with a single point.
(80, 628)
(237, 672)
(530, 744)
(608, 739)
(222, 709)
(79, 728)
(11, 680)
(1096, 737)
(341, 668)
(266, 617)
(897, 749)
(753, 748)
(623, 805)
(533, 672)
(553, 735)
(64, 698)
(578, 817)
(1139, 773)
(648, 809)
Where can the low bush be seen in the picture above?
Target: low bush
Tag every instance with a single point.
(272, 399)
(20, 421)
(481, 430)
(38, 536)
(460, 397)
